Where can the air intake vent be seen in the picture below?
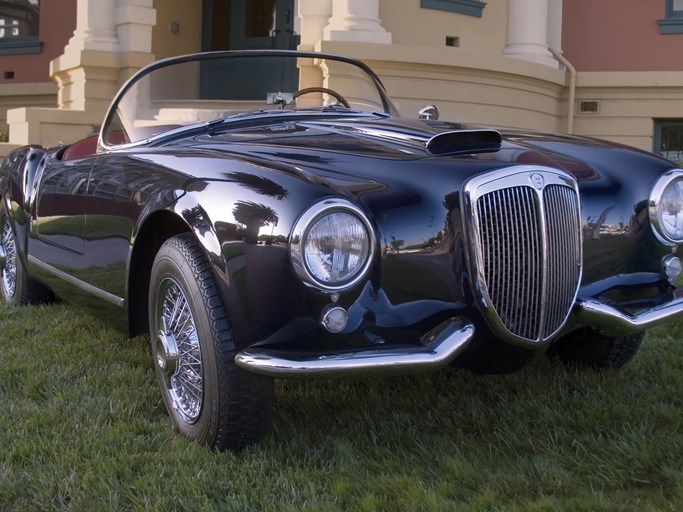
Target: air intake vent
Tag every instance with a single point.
(526, 234)
(464, 142)
(589, 107)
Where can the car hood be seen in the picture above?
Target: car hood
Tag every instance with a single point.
(381, 148)
(415, 197)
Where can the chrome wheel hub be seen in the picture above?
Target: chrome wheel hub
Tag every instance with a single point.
(177, 353)
(8, 260)
(167, 353)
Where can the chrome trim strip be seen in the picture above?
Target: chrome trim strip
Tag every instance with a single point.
(612, 321)
(82, 285)
(445, 346)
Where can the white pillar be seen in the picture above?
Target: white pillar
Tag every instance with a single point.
(112, 39)
(134, 20)
(554, 36)
(528, 32)
(314, 15)
(356, 20)
(94, 27)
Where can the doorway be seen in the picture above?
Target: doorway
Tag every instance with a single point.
(250, 25)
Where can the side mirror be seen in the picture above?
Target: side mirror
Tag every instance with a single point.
(429, 112)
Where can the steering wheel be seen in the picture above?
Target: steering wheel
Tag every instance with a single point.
(325, 90)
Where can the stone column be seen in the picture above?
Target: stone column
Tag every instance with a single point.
(112, 39)
(554, 37)
(134, 20)
(528, 32)
(356, 20)
(314, 15)
(94, 27)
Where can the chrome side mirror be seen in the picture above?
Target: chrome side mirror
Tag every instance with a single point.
(429, 112)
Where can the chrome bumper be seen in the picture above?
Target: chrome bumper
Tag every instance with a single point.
(443, 346)
(615, 322)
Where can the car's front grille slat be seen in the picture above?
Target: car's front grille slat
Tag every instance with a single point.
(563, 235)
(528, 243)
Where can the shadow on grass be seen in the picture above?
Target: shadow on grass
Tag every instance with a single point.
(84, 428)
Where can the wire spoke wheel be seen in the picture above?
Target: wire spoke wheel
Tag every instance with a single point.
(209, 399)
(8, 257)
(178, 354)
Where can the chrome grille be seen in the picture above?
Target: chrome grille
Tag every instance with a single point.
(563, 231)
(528, 250)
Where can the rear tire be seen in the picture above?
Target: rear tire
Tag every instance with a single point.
(210, 399)
(586, 347)
(17, 287)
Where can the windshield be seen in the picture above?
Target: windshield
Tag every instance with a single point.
(206, 87)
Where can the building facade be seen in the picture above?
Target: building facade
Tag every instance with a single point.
(607, 69)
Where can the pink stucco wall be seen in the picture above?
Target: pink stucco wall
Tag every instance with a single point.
(57, 24)
(619, 35)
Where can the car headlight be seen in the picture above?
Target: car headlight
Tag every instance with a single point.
(666, 207)
(332, 245)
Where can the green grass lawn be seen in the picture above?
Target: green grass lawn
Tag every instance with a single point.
(83, 427)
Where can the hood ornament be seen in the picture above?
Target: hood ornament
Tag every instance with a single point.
(537, 180)
(429, 112)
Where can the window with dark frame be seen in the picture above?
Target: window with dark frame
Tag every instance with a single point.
(468, 7)
(673, 23)
(19, 22)
(668, 139)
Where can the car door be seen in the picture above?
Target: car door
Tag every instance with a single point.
(59, 225)
(117, 189)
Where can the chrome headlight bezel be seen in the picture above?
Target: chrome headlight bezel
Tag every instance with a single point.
(299, 236)
(670, 178)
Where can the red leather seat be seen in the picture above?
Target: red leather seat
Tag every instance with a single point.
(82, 148)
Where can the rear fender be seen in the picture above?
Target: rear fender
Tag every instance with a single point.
(19, 175)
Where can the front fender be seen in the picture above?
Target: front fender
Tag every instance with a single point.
(245, 234)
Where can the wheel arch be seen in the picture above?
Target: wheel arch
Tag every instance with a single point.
(156, 229)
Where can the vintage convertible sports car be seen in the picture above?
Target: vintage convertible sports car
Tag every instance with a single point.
(269, 214)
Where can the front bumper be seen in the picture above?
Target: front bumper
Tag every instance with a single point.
(443, 344)
(437, 349)
(610, 320)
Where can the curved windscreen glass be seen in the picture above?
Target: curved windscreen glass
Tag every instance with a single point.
(186, 91)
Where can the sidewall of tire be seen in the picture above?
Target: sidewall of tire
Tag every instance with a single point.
(165, 266)
(589, 348)
(236, 405)
(18, 298)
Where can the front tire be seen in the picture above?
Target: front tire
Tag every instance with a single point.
(586, 347)
(210, 399)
